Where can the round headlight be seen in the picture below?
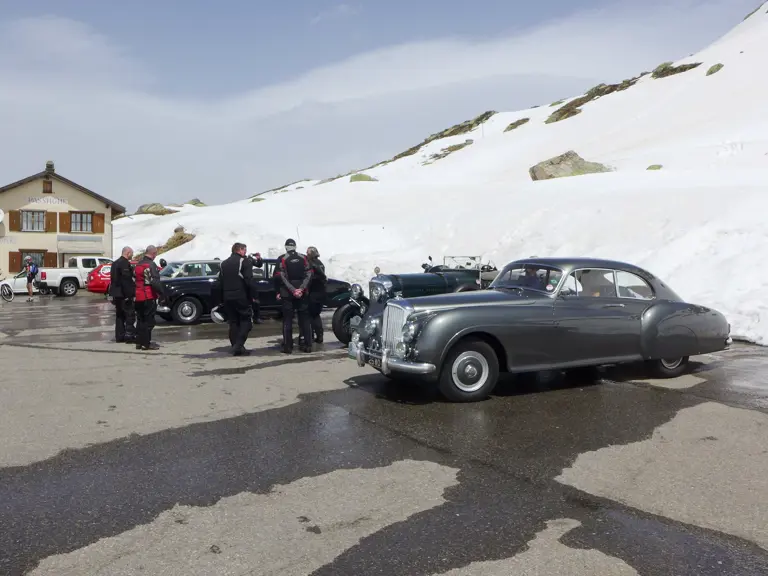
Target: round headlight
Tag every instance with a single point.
(409, 332)
(377, 292)
(371, 324)
(356, 291)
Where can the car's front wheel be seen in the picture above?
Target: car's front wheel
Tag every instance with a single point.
(342, 322)
(668, 367)
(470, 371)
(187, 310)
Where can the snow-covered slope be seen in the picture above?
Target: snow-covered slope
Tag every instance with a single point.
(700, 222)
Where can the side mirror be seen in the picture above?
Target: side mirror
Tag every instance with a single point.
(429, 258)
(163, 263)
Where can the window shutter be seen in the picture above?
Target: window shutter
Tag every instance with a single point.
(14, 221)
(14, 262)
(64, 222)
(47, 187)
(50, 259)
(50, 222)
(98, 223)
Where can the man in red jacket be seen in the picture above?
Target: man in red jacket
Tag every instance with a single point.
(148, 290)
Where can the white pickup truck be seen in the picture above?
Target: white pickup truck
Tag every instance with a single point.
(67, 281)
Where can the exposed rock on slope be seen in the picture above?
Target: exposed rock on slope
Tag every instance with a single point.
(517, 124)
(574, 106)
(456, 130)
(362, 178)
(154, 208)
(447, 151)
(714, 69)
(568, 164)
(666, 69)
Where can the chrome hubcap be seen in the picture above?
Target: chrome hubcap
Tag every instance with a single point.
(469, 371)
(671, 364)
(187, 310)
(69, 288)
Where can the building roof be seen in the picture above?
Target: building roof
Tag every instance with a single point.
(51, 173)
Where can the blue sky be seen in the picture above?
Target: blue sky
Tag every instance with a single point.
(242, 44)
(251, 95)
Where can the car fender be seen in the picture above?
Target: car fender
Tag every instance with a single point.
(667, 330)
(442, 332)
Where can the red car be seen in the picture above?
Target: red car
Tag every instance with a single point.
(98, 279)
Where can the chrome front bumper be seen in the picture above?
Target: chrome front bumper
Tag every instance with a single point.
(385, 363)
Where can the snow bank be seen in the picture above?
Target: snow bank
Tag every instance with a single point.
(698, 223)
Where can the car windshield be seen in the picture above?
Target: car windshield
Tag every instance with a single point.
(170, 270)
(528, 277)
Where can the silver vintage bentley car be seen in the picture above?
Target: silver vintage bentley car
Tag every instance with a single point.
(538, 314)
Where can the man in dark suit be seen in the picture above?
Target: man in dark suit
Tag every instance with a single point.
(122, 288)
(235, 285)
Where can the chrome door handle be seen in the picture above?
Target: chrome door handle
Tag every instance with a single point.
(614, 306)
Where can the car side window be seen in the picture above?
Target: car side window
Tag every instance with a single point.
(193, 270)
(632, 286)
(596, 283)
(571, 286)
(212, 269)
(89, 263)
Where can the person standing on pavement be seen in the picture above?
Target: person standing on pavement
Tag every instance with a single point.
(236, 285)
(31, 269)
(122, 288)
(316, 293)
(148, 290)
(258, 262)
(293, 275)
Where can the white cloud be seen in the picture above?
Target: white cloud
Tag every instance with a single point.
(82, 101)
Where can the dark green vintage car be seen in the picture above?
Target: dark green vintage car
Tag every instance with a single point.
(456, 274)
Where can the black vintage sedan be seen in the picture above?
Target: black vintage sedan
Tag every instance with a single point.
(189, 290)
(539, 314)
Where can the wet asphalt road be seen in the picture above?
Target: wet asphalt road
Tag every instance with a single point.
(120, 462)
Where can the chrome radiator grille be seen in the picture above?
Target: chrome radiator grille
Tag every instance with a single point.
(392, 325)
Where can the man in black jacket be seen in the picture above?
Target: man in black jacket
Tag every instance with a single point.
(122, 288)
(292, 277)
(316, 292)
(235, 284)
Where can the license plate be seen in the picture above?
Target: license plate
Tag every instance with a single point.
(375, 362)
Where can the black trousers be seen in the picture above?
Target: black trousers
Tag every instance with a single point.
(239, 316)
(315, 307)
(145, 321)
(125, 319)
(256, 307)
(301, 307)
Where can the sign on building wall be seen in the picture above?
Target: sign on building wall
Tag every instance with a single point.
(47, 200)
(7, 240)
